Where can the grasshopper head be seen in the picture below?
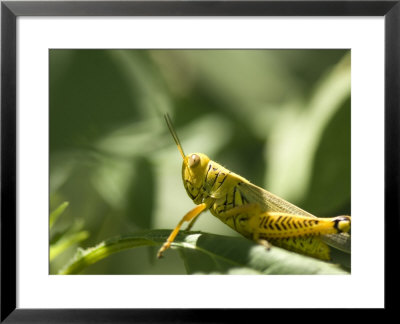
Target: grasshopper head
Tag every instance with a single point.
(194, 169)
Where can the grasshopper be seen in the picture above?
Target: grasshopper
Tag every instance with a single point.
(254, 212)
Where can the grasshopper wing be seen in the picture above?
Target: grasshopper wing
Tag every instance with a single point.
(268, 201)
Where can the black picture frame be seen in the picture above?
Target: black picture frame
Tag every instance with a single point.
(10, 10)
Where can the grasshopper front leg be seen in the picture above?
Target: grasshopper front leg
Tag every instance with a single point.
(190, 216)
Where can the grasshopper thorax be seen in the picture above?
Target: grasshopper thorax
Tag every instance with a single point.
(194, 169)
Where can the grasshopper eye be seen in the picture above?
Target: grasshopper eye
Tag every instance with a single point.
(194, 160)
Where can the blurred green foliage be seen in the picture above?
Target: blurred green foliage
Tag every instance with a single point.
(280, 118)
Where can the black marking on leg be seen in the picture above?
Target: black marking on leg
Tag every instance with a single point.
(268, 222)
(336, 225)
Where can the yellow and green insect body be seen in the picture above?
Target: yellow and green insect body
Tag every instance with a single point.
(252, 211)
(207, 182)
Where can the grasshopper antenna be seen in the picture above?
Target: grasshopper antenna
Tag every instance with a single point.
(173, 133)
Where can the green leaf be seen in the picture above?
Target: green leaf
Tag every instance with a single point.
(210, 254)
(57, 212)
(65, 242)
(214, 253)
(84, 258)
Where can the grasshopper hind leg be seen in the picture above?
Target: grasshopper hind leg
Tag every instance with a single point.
(312, 246)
